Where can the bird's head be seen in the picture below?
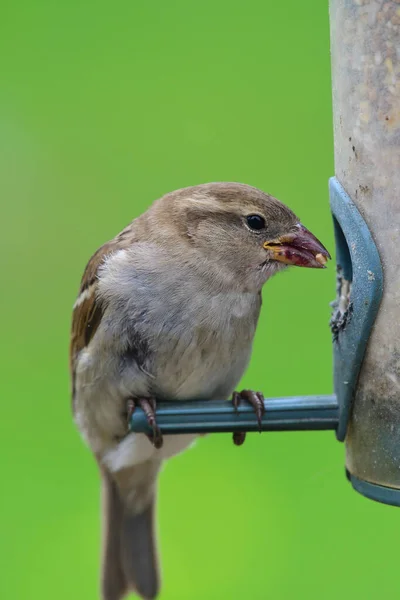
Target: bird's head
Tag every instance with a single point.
(240, 233)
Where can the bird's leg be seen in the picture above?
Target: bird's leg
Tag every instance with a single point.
(256, 400)
(148, 405)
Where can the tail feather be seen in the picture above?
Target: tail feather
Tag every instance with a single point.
(113, 583)
(138, 553)
(129, 555)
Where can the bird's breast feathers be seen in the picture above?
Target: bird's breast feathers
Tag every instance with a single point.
(190, 341)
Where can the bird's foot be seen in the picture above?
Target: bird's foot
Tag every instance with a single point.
(148, 405)
(256, 400)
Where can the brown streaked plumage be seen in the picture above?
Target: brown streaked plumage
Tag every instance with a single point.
(168, 310)
(87, 312)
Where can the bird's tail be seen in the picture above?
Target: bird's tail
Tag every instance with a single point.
(129, 550)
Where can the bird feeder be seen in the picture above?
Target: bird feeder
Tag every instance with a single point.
(364, 411)
(365, 40)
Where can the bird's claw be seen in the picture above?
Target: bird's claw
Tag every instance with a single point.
(239, 437)
(148, 405)
(256, 400)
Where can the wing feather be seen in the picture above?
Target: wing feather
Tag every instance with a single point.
(88, 308)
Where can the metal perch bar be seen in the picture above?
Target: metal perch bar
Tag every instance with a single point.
(303, 413)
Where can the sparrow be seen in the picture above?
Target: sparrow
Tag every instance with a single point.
(167, 311)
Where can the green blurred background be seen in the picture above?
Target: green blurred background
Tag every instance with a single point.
(103, 108)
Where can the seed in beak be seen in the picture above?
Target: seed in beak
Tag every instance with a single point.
(321, 259)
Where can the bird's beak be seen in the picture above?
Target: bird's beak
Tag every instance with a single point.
(300, 248)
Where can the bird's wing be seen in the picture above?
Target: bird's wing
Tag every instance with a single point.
(88, 309)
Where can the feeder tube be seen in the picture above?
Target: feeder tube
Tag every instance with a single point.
(365, 46)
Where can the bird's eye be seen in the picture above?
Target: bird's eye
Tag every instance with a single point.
(255, 222)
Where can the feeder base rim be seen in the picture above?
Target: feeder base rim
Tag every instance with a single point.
(373, 491)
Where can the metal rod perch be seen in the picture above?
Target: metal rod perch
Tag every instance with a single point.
(304, 413)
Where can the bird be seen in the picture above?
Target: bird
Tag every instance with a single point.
(167, 311)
